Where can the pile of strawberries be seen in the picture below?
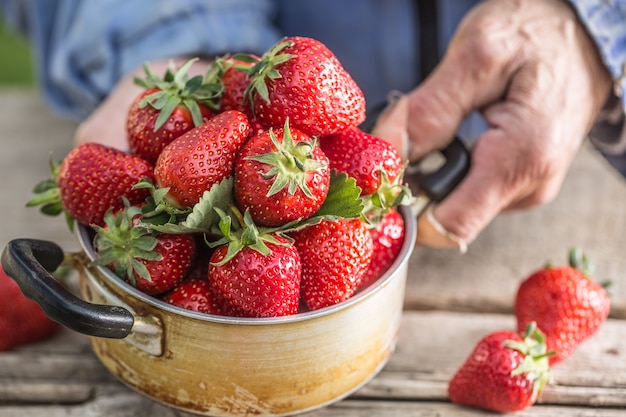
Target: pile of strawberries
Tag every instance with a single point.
(248, 191)
(556, 308)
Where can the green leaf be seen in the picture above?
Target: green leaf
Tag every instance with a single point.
(140, 269)
(203, 216)
(194, 109)
(246, 58)
(193, 84)
(181, 74)
(146, 244)
(166, 111)
(52, 195)
(45, 185)
(52, 209)
(343, 198)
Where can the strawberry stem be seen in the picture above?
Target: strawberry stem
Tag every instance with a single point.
(266, 68)
(289, 163)
(176, 88)
(577, 259)
(535, 364)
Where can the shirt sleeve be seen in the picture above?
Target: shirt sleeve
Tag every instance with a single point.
(606, 23)
(84, 47)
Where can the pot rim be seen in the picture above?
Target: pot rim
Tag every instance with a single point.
(410, 225)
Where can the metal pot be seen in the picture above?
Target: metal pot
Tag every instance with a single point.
(227, 366)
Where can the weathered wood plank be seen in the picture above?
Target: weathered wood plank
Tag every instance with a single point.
(28, 143)
(45, 393)
(434, 344)
(116, 402)
(66, 367)
(431, 347)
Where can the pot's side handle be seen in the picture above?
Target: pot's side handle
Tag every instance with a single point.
(28, 262)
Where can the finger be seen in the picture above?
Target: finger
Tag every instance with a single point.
(472, 74)
(485, 192)
(391, 124)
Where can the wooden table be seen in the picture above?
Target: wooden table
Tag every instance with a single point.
(452, 300)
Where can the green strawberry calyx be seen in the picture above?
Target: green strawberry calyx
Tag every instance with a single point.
(158, 209)
(48, 196)
(266, 68)
(176, 88)
(390, 194)
(289, 164)
(578, 259)
(536, 364)
(121, 244)
(221, 64)
(244, 233)
(161, 216)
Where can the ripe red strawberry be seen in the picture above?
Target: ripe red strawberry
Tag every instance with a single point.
(505, 372)
(568, 306)
(232, 72)
(387, 239)
(300, 79)
(335, 256)
(280, 176)
(255, 281)
(152, 262)
(362, 156)
(201, 158)
(92, 179)
(193, 294)
(167, 108)
(21, 319)
(147, 140)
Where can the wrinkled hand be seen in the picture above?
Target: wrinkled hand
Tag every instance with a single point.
(535, 75)
(107, 124)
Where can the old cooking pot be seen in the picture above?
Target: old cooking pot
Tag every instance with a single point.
(227, 366)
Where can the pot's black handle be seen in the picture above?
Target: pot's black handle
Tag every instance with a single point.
(28, 262)
(436, 185)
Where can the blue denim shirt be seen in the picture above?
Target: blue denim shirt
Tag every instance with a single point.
(84, 47)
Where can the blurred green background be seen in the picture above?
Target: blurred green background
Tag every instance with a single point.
(16, 61)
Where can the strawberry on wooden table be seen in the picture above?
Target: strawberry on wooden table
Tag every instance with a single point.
(281, 175)
(192, 163)
(335, 256)
(568, 306)
(152, 262)
(92, 179)
(505, 372)
(300, 79)
(168, 107)
(22, 320)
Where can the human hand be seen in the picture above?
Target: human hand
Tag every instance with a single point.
(107, 124)
(535, 75)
